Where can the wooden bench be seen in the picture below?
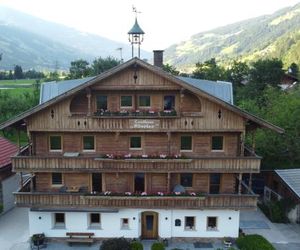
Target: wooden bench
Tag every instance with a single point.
(80, 238)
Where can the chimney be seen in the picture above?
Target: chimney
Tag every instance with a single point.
(158, 58)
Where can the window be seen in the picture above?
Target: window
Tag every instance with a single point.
(95, 220)
(186, 143)
(135, 142)
(211, 223)
(217, 143)
(101, 102)
(57, 179)
(144, 101)
(124, 223)
(186, 180)
(59, 220)
(189, 223)
(89, 143)
(169, 102)
(126, 101)
(55, 143)
(215, 180)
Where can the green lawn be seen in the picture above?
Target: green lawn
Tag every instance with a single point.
(18, 91)
(14, 82)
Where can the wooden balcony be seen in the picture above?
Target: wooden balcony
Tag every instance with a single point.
(57, 200)
(179, 123)
(94, 164)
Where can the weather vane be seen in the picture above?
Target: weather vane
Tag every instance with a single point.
(135, 11)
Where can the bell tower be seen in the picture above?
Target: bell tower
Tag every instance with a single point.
(136, 35)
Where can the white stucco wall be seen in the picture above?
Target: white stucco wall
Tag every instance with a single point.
(228, 223)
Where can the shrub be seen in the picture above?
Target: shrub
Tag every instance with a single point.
(136, 245)
(1, 208)
(115, 244)
(254, 242)
(157, 246)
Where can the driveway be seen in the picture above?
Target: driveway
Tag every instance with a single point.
(282, 236)
(14, 232)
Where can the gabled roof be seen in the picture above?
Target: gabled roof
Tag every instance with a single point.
(49, 90)
(292, 178)
(219, 89)
(7, 150)
(156, 70)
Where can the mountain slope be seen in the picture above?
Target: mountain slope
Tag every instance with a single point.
(275, 35)
(51, 42)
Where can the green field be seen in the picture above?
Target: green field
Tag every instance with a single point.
(18, 91)
(15, 82)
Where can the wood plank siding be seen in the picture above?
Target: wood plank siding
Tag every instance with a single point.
(152, 144)
(242, 202)
(92, 164)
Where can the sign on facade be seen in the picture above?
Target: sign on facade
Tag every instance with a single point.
(144, 124)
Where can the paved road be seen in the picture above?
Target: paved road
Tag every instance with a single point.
(282, 236)
(14, 231)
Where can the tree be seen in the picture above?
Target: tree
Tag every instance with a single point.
(18, 72)
(238, 73)
(266, 71)
(79, 69)
(171, 69)
(209, 70)
(101, 65)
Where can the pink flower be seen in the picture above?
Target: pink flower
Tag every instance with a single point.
(163, 156)
(177, 193)
(127, 193)
(107, 192)
(160, 193)
(193, 194)
(127, 156)
(144, 156)
(144, 193)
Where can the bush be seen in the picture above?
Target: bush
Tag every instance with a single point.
(253, 242)
(1, 208)
(115, 244)
(157, 246)
(136, 245)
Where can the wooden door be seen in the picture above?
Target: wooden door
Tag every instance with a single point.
(149, 225)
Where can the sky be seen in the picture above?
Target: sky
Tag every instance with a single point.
(165, 22)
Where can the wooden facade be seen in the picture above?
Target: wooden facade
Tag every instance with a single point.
(160, 110)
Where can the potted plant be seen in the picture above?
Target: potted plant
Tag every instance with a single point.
(38, 239)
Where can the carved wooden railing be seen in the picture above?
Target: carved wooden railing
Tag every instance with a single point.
(81, 163)
(224, 201)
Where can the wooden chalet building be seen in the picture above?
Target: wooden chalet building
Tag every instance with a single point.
(137, 152)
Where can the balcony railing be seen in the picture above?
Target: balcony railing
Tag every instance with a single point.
(44, 200)
(81, 163)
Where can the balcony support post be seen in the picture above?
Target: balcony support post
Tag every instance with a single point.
(168, 182)
(242, 140)
(31, 183)
(89, 96)
(169, 142)
(103, 183)
(250, 181)
(240, 183)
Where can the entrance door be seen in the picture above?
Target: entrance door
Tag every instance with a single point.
(97, 182)
(149, 225)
